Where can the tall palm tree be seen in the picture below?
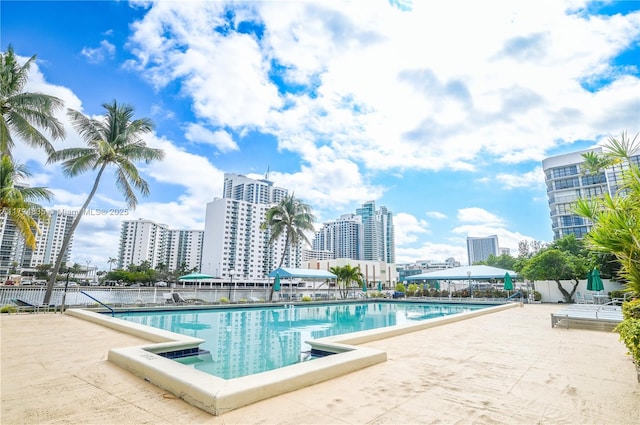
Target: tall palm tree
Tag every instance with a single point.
(19, 202)
(22, 113)
(291, 218)
(111, 261)
(113, 140)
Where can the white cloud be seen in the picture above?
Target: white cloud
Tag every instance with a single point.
(220, 139)
(478, 215)
(407, 228)
(436, 214)
(99, 54)
(533, 178)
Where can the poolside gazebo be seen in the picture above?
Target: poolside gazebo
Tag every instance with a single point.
(464, 273)
(294, 273)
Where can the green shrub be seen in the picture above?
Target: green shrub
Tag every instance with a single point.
(631, 309)
(400, 287)
(8, 309)
(629, 330)
(306, 298)
(243, 301)
(224, 300)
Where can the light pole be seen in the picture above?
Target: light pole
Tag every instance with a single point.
(230, 282)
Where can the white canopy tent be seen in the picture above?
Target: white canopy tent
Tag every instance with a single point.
(465, 273)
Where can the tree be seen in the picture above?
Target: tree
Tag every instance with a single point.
(616, 219)
(292, 218)
(24, 112)
(19, 202)
(346, 275)
(111, 261)
(113, 140)
(503, 261)
(555, 263)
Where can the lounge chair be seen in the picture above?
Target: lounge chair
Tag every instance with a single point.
(177, 298)
(24, 305)
(168, 297)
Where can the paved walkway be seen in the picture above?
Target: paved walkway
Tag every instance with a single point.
(509, 367)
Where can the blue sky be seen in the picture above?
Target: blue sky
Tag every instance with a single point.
(440, 111)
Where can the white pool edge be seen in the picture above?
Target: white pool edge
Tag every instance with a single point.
(216, 395)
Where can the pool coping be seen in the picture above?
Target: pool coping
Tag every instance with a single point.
(217, 395)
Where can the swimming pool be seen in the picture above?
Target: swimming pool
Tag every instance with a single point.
(245, 341)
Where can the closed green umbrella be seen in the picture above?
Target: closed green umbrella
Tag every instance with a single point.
(364, 287)
(508, 283)
(276, 282)
(436, 284)
(379, 286)
(595, 283)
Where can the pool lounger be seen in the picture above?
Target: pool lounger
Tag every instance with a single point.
(588, 316)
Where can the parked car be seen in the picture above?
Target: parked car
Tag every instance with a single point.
(162, 284)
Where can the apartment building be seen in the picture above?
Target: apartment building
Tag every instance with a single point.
(234, 244)
(567, 181)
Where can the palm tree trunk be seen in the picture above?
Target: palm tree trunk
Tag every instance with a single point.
(67, 239)
(286, 248)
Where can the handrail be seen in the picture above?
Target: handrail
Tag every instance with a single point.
(100, 302)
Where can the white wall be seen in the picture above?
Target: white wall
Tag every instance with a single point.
(550, 293)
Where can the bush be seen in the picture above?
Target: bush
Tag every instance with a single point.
(8, 309)
(224, 300)
(306, 298)
(629, 330)
(631, 309)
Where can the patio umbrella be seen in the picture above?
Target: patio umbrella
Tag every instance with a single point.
(594, 281)
(194, 276)
(436, 284)
(276, 282)
(379, 286)
(364, 287)
(508, 283)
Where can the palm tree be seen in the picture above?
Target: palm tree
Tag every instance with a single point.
(114, 140)
(111, 261)
(19, 202)
(291, 218)
(347, 275)
(23, 111)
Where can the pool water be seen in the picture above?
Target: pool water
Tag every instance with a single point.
(253, 340)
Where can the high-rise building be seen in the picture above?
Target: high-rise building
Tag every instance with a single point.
(15, 254)
(145, 240)
(183, 247)
(378, 233)
(234, 244)
(342, 237)
(479, 248)
(567, 181)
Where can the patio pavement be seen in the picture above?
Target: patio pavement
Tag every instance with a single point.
(508, 367)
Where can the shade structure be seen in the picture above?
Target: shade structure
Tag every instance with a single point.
(276, 282)
(508, 283)
(287, 272)
(195, 276)
(464, 273)
(594, 281)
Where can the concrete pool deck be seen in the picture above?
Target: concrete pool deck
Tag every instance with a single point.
(506, 367)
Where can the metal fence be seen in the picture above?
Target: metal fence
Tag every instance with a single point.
(149, 295)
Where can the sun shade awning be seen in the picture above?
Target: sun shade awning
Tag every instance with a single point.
(302, 273)
(464, 273)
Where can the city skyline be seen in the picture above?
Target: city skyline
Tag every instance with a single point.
(339, 102)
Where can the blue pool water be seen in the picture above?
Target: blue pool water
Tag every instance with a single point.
(253, 340)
